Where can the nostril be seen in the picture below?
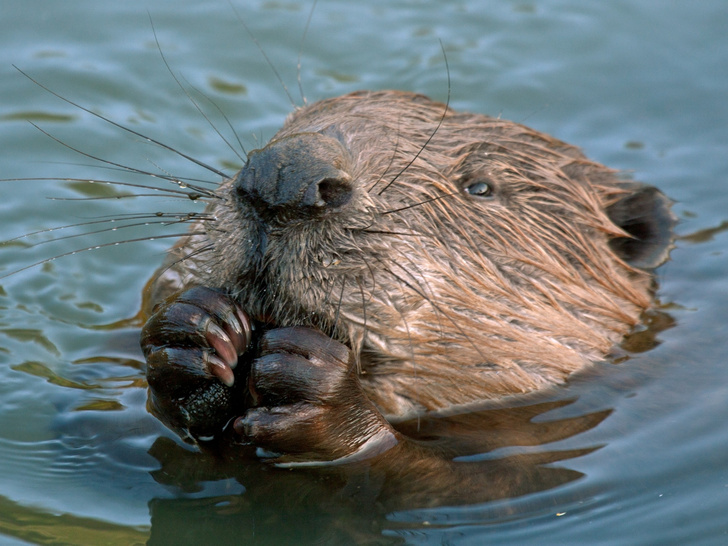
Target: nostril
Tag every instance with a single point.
(335, 192)
(330, 192)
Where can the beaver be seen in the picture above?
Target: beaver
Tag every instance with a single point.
(384, 256)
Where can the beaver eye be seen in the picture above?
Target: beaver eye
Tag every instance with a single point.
(479, 188)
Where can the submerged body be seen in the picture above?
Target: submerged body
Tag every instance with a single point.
(447, 258)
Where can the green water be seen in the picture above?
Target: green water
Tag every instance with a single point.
(640, 86)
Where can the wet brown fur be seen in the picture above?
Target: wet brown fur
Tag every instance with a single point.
(444, 298)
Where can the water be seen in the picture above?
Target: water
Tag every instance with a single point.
(640, 86)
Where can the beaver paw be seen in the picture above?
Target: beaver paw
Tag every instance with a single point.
(309, 405)
(192, 345)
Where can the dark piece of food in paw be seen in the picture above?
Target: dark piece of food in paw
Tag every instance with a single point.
(308, 400)
(192, 345)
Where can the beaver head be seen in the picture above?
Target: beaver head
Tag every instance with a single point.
(486, 261)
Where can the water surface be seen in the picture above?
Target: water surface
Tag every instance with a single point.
(640, 86)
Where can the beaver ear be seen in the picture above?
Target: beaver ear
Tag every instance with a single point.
(645, 214)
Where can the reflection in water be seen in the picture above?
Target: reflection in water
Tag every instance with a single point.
(40, 527)
(356, 503)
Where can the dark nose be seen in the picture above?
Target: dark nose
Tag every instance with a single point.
(305, 172)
